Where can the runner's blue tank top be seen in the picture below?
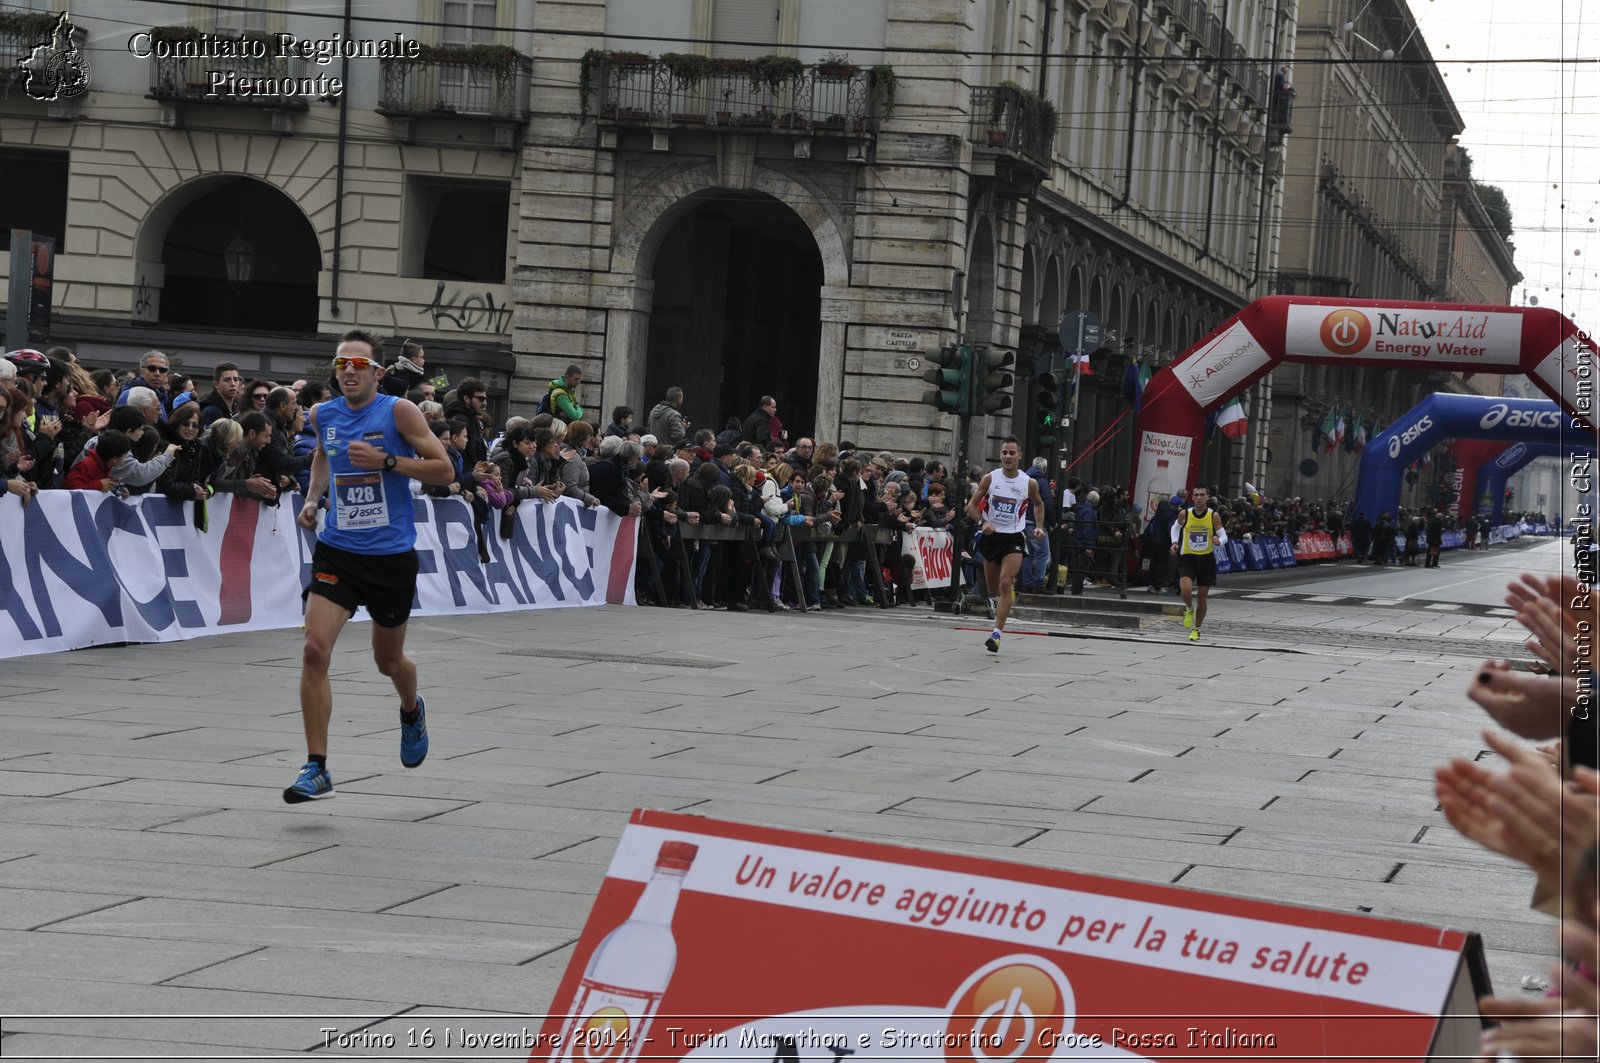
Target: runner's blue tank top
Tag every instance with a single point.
(369, 509)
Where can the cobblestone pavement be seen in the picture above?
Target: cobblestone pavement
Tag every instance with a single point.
(149, 867)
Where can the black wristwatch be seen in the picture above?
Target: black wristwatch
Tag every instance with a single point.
(389, 462)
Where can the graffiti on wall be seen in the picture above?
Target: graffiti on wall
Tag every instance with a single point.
(469, 313)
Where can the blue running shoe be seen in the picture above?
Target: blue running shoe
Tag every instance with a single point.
(313, 784)
(414, 737)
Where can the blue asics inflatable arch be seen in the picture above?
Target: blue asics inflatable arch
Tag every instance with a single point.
(1444, 416)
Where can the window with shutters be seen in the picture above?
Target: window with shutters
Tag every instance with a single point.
(743, 29)
(238, 18)
(1000, 41)
(468, 21)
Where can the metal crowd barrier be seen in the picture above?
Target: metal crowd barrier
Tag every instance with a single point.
(788, 537)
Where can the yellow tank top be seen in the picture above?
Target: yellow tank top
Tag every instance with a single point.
(1197, 537)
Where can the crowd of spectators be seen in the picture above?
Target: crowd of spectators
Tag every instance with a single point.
(155, 430)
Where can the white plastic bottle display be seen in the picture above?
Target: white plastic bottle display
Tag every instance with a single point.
(627, 975)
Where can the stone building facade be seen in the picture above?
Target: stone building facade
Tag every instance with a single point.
(1366, 215)
(800, 237)
(387, 206)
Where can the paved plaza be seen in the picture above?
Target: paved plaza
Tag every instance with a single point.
(148, 865)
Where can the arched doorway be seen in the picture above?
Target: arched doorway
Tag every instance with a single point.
(284, 260)
(737, 312)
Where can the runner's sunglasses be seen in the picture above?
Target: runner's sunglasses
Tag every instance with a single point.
(353, 363)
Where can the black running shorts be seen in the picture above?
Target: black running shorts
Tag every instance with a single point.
(1202, 568)
(384, 583)
(997, 545)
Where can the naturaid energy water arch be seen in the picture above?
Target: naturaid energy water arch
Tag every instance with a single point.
(1533, 341)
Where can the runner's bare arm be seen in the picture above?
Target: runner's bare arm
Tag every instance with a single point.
(1036, 500)
(973, 512)
(431, 465)
(318, 482)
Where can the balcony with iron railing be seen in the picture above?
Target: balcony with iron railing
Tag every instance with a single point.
(265, 80)
(489, 82)
(768, 93)
(20, 34)
(1010, 121)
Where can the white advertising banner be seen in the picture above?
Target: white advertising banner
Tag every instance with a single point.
(932, 548)
(1163, 468)
(1413, 335)
(1222, 365)
(79, 568)
(1569, 372)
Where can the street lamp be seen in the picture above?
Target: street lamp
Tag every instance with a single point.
(239, 259)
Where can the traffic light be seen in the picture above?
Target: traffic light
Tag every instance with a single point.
(1046, 411)
(989, 381)
(951, 380)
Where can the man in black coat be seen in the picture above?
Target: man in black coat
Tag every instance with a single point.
(757, 427)
(472, 398)
(1435, 533)
(1157, 541)
(1361, 536)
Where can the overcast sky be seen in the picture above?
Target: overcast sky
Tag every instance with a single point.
(1533, 128)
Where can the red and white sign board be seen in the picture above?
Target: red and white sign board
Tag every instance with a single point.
(720, 941)
(932, 547)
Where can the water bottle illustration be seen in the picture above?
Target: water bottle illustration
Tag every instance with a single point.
(626, 976)
(1161, 488)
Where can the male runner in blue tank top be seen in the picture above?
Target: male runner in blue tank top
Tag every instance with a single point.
(368, 447)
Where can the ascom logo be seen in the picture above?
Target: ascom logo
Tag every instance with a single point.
(1346, 331)
(1520, 418)
(1409, 436)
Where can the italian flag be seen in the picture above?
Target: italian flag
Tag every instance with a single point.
(1232, 421)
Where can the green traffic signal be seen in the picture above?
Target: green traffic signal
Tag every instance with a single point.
(950, 380)
(1045, 401)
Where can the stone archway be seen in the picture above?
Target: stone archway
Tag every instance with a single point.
(183, 278)
(628, 290)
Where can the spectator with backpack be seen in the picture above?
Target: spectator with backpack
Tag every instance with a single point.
(561, 398)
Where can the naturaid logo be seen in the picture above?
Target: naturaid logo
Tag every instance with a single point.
(1346, 331)
(55, 68)
(1015, 1009)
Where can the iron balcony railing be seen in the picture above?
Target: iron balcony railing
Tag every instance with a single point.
(271, 81)
(16, 44)
(442, 84)
(1013, 120)
(819, 99)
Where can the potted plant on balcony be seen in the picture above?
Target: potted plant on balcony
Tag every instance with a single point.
(1005, 112)
(882, 81)
(771, 71)
(28, 25)
(763, 117)
(687, 69)
(836, 66)
(597, 57)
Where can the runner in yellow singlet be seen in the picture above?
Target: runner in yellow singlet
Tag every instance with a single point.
(1196, 534)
